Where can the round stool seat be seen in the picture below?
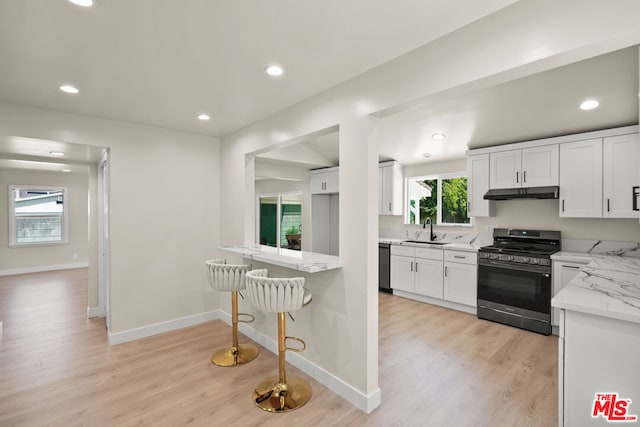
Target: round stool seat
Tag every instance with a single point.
(276, 295)
(227, 277)
(279, 295)
(231, 278)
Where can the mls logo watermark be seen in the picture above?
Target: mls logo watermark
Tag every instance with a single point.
(612, 408)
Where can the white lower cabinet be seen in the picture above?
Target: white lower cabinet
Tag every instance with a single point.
(442, 276)
(460, 277)
(596, 355)
(417, 270)
(563, 273)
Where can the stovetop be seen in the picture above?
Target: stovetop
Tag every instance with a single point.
(524, 243)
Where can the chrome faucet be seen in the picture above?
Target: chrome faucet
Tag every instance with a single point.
(432, 235)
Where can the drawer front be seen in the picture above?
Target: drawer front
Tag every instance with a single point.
(429, 253)
(461, 257)
(403, 250)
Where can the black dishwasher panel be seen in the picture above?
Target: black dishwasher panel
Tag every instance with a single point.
(384, 267)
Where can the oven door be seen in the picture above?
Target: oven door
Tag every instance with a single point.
(526, 287)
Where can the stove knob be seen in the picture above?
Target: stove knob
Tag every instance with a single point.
(494, 256)
(525, 259)
(535, 261)
(510, 257)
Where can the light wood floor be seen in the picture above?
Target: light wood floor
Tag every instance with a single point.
(437, 367)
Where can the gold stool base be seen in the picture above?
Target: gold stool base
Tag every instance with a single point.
(274, 396)
(232, 356)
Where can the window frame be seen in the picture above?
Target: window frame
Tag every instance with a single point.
(439, 177)
(13, 227)
(278, 216)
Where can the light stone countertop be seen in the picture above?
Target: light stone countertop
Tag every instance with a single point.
(608, 286)
(464, 247)
(309, 262)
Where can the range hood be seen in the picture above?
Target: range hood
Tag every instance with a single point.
(523, 193)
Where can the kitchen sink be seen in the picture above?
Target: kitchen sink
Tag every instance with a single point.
(426, 242)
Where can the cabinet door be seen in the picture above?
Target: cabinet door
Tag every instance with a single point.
(428, 277)
(402, 274)
(386, 190)
(317, 183)
(332, 182)
(477, 186)
(581, 179)
(563, 273)
(505, 169)
(620, 175)
(461, 283)
(540, 166)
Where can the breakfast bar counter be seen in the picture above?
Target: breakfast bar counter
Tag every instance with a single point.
(309, 262)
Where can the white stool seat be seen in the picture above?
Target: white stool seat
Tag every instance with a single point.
(279, 295)
(227, 277)
(276, 295)
(231, 278)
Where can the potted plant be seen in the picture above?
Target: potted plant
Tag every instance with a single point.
(293, 237)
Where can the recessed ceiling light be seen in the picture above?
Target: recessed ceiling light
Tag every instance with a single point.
(589, 104)
(83, 3)
(69, 89)
(56, 153)
(274, 70)
(438, 136)
(426, 154)
(203, 117)
(66, 170)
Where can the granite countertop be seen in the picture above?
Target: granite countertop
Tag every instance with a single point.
(608, 286)
(309, 262)
(569, 256)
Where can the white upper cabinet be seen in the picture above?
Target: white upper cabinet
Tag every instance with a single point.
(390, 187)
(540, 166)
(325, 181)
(477, 186)
(527, 167)
(581, 179)
(620, 175)
(504, 171)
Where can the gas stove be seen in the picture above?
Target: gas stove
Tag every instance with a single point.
(521, 246)
(514, 278)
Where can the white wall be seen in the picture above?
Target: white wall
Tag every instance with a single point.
(164, 212)
(23, 259)
(517, 41)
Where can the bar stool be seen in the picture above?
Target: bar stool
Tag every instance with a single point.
(274, 295)
(231, 278)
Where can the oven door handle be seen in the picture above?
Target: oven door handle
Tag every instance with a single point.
(518, 267)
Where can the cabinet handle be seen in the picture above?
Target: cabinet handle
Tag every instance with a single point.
(608, 206)
(571, 266)
(445, 271)
(416, 267)
(562, 205)
(411, 265)
(460, 256)
(524, 176)
(389, 207)
(517, 176)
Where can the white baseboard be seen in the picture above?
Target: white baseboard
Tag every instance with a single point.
(366, 403)
(40, 269)
(159, 328)
(95, 312)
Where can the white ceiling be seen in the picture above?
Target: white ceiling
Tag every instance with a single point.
(162, 62)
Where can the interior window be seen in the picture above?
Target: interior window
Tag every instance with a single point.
(442, 198)
(37, 215)
(280, 220)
